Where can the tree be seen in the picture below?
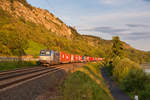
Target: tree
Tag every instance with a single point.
(117, 48)
(22, 43)
(18, 43)
(4, 50)
(115, 54)
(48, 43)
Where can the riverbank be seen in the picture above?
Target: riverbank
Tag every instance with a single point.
(146, 67)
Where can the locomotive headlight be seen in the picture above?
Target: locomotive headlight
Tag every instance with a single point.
(44, 58)
(47, 53)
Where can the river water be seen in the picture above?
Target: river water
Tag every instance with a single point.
(146, 67)
(147, 70)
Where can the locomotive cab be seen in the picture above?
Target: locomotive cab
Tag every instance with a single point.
(46, 57)
(49, 57)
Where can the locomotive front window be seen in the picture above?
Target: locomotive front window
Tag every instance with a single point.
(42, 53)
(47, 53)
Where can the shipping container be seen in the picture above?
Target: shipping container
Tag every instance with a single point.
(65, 58)
(76, 58)
(91, 58)
(85, 59)
(72, 58)
(88, 59)
(80, 58)
(101, 59)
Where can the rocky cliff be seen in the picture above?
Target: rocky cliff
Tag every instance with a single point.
(29, 29)
(21, 9)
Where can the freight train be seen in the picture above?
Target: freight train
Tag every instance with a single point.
(51, 57)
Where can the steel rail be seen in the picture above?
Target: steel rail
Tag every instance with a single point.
(15, 74)
(11, 81)
(16, 70)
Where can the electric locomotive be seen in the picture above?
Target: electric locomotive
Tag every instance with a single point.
(51, 57)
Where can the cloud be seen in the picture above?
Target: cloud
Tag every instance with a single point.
(140, 34)
(110, 1)
(137, 25)
(116, 18)
(137, 36)
(100, 23)
(114, 2)
(147, 0)
(109, 30)
(118, 2)
(125, 33)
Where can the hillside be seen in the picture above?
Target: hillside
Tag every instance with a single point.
(32, 29)
(21, 9)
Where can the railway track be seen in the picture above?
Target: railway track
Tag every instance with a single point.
(9, 79)
(16, 70)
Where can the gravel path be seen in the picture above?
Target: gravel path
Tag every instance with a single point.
(116, 92)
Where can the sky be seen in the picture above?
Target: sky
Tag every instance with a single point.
(128, 19)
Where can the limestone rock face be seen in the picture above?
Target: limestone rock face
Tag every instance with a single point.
(36, 15)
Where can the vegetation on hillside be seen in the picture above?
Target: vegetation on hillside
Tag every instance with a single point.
(36, 37)
(86, 84)
(129, 75)
(24, 2)
(117, 48)
(131, 78)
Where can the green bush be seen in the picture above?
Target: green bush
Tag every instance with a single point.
(135, 81)
(131, 77)
(145, 94)
(121, 67)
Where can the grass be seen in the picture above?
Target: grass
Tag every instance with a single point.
(14, 65)
(34, 48)
(86, 84)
